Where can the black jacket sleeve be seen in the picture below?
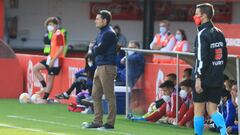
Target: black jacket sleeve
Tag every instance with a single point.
(202, 55)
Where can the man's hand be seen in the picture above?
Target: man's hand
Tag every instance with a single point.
(198, 86)
(91, 45)
(123, 60)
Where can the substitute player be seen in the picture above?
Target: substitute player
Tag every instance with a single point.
(211, 58)
(54, 61)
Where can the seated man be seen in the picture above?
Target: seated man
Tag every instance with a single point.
(166, 106)
(83, 79)
(186, 111)
(164, 40)
(231, 109)
(135, 64)
(228, 108)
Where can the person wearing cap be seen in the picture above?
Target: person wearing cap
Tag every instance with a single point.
(54, 60)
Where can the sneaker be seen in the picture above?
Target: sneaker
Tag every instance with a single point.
(87, 111)
(50, 101)
(130, 116)
(107, 126)
(92, 125)
(62, 96)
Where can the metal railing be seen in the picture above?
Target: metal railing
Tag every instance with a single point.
(189, 58)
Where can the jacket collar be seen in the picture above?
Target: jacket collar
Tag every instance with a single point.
(208, 24)
(104, 27)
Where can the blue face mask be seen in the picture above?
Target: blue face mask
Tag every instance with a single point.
(162, 30)
(130, 52)
(178, 37)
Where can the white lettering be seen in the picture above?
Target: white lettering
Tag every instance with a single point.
(216, 45)
(233, 41)
(217, 63)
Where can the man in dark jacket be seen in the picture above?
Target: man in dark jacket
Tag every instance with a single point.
(211, 59)
(135, 65)
(104, 51)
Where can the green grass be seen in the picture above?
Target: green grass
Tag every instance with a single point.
(30, 119)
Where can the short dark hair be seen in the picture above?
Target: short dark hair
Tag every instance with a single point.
(167, 84)
(207, 9)
(172, 76)
(53, 20)
(59, 19)
(234, 82)
(105, 14)
(135, 42)
(188, 70)
(117, 27)
(187, 83)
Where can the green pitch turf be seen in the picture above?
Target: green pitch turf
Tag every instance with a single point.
(54, 119)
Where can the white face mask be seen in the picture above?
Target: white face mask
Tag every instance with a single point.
(162, 30)
(178, 37)
(130, 52)
(166, 98)
(50, 28)
(90, 63)
(183, 94)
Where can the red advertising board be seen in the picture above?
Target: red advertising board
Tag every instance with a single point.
(129, 10)
(232, 34)
(153, 75)
(11, 79)
(133, 10)
(61, 83)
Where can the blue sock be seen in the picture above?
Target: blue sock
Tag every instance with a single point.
(219, 121)
(138, 119)
(198, 125)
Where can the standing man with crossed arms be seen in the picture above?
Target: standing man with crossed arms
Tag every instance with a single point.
(211, 58)
(104, 51)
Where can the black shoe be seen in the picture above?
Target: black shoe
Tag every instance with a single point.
(92, 125)
(62, 96)
(107, 126)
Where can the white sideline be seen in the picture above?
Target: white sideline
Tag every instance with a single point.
(42, 121)
(29, 129)
(62, 124)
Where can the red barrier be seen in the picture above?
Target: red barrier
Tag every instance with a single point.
(154, 73)
(232, 34)
(61, 82)
(11, 79)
